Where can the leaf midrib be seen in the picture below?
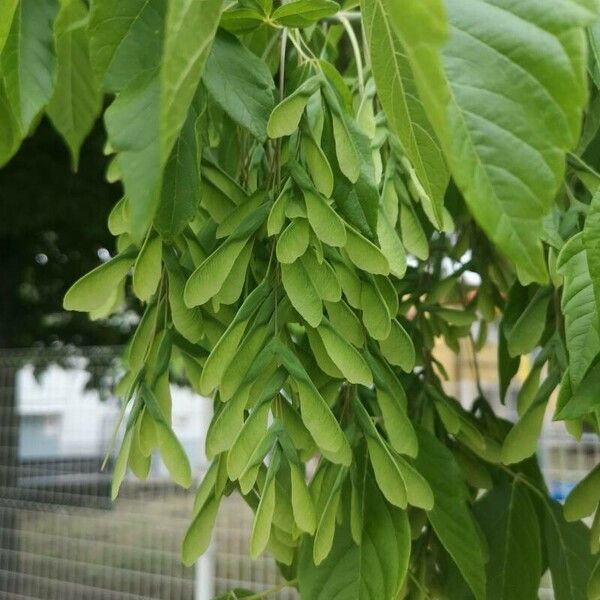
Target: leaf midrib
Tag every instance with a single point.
(412, 125)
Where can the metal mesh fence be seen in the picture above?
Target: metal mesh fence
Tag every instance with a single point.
(61, 538)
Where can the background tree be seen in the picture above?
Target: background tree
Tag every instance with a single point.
(304, 214)
(52, 230)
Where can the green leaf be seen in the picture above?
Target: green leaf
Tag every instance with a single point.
(126, 121)
(171, 451)
(348, 154)
(142, 338)
(322, 276)
(365, 255)
(118, 221)
(451, 518)
(387, 470)
(593, 588)
(189, 32)
(522, 440)
(507, 365)
(239, 369)
(321, 423)
(346, 322)
(173, 455)
(302, 503)
(226, 424)
(328, 503)
(376, 316)
(28, 61)
(318, 165)
(375, 569)
(453, 316)
(94, 289)
(221, 356)
(180, 190)
(391, 246)
(398, 425)
(510, 524)
(302, 293)
(321, 356)
(224, 350)
(261, 528)
(584, 497)
(316, 415)
(579, 308)
(358, 203)
(126, 40)
(240, 83)
(233, 286)
(187, 321)
(77, 99)
(120, 467)
(241, 20)
(7, 12)
(345, 356)
(413, 236)
(398, 95)
(505, 122)
(528, 390)
(303, 13)
(591, 243)
(248, 440)
(324, 221)
(206, 281)
(398, 347)
(197, 537)
(285, 118)
(293, 241)
(148, 268)
(138, 462)
(568, 554)
(276, 218)
(418, 491)
(349, 282)
(584, 399)
(10, 131)
(526, 332)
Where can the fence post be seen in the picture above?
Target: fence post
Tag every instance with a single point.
(204, 576)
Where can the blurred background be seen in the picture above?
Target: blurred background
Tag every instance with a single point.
(61, 537)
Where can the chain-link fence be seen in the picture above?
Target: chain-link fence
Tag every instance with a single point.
(61, 538)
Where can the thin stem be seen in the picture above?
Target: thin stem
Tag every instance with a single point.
(115, 432)
(343, 19)
(284, 37)
(525, 480)
(271, 591)
(276, 308)
(475, 363)
(300, 50)
(352, 15)
(418, 584)
(474, 359)
(271, 254)
(282, 55)
(308, 49)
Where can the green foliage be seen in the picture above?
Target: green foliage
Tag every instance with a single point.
(302, 218)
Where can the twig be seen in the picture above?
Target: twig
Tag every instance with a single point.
(271, 591)
(343, 19)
